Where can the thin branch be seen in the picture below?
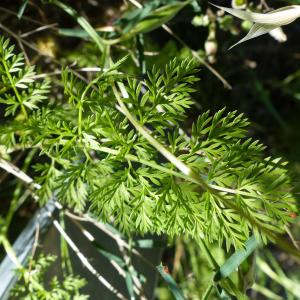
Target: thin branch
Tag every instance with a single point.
(24, 52)
(86, 262)
(129, 265)
(196, 55)
(8, 11)
(39, 29)
(295, 243)
(35, 245)
(12, 169)
(91, 238)
(265, 5)
(117, 238)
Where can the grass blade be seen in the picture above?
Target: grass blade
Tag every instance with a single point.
(22, 9)
(236, 259)
(172, 285)
(83, 23)
(290, 285)
(153, 21)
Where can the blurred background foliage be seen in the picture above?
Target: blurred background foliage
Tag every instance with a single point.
(264, 76)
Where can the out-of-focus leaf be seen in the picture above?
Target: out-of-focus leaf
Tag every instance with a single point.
(79, 33)
(290, 285)
(150, 243)
(129, 284)
(152, 21)
(146, 21)
(109, 255)
(264, 96)
(266, 292)
(22, 9)
(132, 17)
(82, 22)
(236, 259)
(172, 285)
(120, 261)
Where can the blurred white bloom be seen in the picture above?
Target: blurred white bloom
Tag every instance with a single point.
(278, 35)
(211, 48)
(264, 23)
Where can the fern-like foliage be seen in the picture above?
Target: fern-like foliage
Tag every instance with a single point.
(31, 285)
(18, 90)
(98, 161)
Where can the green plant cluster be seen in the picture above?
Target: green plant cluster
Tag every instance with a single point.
(29, 286)
(97, 160)
(19, 91)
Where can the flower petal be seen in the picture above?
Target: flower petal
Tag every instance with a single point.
(278, 17)
(255, 31)
(278, 34)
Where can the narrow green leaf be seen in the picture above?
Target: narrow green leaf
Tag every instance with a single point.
(112, 257)
(266, 292)
(109, 255)
(289, 284)
(78, 33)
(22, 9)
(236, 259)
(114, 230)
(153, 21)
(82, 22)
(129, 285)
(172, 285)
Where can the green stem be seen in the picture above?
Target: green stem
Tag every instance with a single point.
(188, 173)
(10, 251)
(209, 256)
(266, 292)
(15, 204)
(80, 121)
(159, 147)
(227, 284)
(208, 291)
(80, 106)
(148, 163)
(12, 255)
(175, 173)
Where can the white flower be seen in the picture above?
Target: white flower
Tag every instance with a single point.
(278, 35)
(264, 23)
